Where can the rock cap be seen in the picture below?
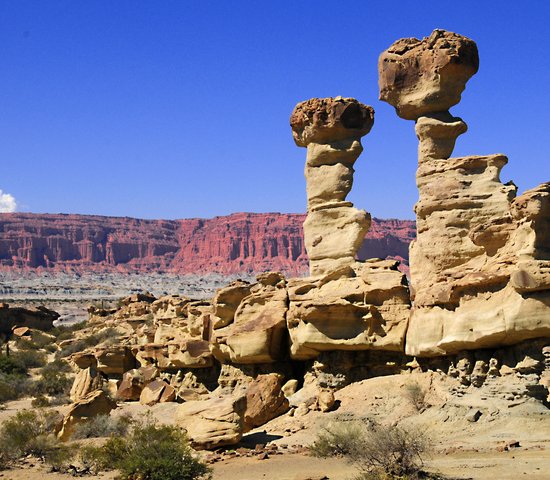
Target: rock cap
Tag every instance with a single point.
(325, 120)
(418, 77)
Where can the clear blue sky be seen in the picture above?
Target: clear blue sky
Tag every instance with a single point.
(174, 109)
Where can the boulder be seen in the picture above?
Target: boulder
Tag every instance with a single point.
(157, 391)
(93, 404)
(325, 120)
(265, 400)
(114, 360)
(190, 353)
(134, 380)
(259, 328)
(85, 381)
(213, 423)
(227, 300)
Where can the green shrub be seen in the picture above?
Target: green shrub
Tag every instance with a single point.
(109, 335)
(11, 365)
(13, 386)
(103, 426)
(64, 332)
(378, 452)
(58, 365)
(40, 401)
(151, 452)
(30, 358)
(37, 341)
(52, 382)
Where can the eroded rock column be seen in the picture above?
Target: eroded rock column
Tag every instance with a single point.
(331, 129)
(470, 238)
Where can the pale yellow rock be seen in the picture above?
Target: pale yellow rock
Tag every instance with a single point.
(227, 300)
(85, 381)
(93, 404)
(213, 423)
(332, 236)
(331, 129)
(290, 387)
(479, 267)
(362, 307)
(257, 333)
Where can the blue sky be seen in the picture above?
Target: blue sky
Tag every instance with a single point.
(175, 109)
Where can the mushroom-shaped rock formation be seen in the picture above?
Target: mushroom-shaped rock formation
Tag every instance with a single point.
(331, 129)
(480, 276)
(345, 304)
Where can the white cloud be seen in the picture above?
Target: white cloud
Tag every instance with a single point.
(7, 203)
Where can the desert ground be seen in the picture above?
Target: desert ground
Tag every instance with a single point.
(462, 449)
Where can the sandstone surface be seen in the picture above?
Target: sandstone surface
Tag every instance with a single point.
(360, 307)
(479, 268)
(213, 423)
(331, 129)
(419, 77)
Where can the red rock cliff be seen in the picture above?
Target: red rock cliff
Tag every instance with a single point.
(241, 242)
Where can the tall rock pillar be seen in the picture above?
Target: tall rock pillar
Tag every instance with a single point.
(331, 129)
(469, 257)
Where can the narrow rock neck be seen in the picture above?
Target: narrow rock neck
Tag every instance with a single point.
(437, 134)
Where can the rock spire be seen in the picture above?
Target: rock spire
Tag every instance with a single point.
(331, 129)
(479, 275)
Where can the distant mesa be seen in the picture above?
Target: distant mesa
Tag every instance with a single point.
(241, 242)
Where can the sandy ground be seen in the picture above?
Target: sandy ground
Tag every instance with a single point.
(462, 449)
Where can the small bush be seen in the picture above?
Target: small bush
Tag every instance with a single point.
(64, 332)
(340, 439)
(151, 452)
(416, 395)
(13, 386)
(37, 341)
(52, 382)
(10, 366)
(30, 358)
(109, 335)
(58, 365)
(103, 426)
(379, 452)
(30, 433)
(40, 401)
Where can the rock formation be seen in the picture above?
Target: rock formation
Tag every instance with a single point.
(345, 305)
(40, 318)
(480, 269)
(479, 265)
(331, 129)
(242, 242)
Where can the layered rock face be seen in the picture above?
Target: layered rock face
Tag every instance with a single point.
(331, 129)
(479, 265)
(242, 242)
(344, 305)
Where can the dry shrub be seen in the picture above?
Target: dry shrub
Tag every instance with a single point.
(31, 433)
(150, 452)
(416, 394)
(103, 426)
(377, 451)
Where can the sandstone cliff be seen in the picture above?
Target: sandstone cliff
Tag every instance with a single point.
(241, 242)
